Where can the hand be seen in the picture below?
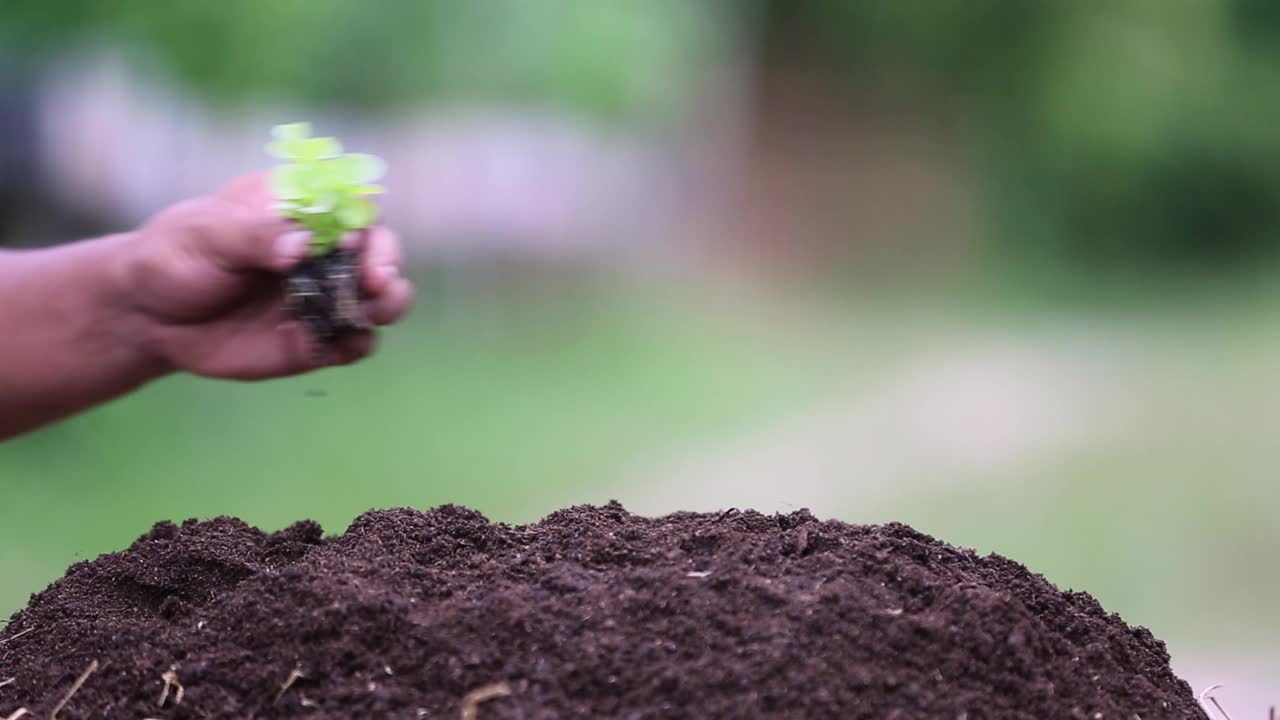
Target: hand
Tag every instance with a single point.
(206, 278)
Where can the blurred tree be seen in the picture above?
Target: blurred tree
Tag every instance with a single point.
(312, 50)
(27, 209)
(17, 161)
(1110, 134)
(1114, 135)
(611, 58)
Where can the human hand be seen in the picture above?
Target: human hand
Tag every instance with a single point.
(205, 278)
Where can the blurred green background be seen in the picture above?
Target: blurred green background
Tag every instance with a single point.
(1002, 270)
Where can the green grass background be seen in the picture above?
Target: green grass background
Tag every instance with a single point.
(513, 404)
(521, 401)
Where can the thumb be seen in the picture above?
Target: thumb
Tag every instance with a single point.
(247, 233)
(244, 240)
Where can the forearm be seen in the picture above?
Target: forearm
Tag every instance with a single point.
(69, 337)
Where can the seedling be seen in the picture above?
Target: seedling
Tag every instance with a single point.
(321, 187)
(325, 191)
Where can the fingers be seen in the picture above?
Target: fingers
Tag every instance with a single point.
(252, 352)
(297, 352)
(234, 238)
(354, 347)
(382, 260)
(243, 231)
(260, 243)
(239, 228)
(305, 354)
(387, 308)
(251, 191)
(288, 249)
(389, 294)
(392, 304)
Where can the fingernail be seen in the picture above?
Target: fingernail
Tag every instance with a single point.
(290, 247)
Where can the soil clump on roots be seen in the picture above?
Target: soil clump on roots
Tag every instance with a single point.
(590, 613)
(323, 293)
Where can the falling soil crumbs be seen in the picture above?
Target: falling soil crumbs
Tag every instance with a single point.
(591, 613)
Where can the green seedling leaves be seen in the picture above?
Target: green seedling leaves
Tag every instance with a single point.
(286, 183)
(359, 168)
(292, 131)
(320, 187)
(357, 213)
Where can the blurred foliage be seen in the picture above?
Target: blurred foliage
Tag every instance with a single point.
(1114, 134)
(598, 57)
(1122, 135)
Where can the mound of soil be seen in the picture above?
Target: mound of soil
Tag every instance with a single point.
(591, 613)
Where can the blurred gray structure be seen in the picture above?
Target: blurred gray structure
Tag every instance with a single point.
(19, 180)
(463, 181)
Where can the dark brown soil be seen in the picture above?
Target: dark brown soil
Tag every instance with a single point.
(591, 613)
(324, 295)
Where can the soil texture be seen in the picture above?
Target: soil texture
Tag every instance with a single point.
(590, 613)
(323, 293)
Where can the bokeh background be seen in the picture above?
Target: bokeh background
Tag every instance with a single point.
(1002, 270)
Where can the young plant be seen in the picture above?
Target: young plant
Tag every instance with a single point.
(326, 192)
(322, 188)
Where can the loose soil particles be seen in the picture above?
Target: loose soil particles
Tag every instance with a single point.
(591, 613)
